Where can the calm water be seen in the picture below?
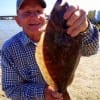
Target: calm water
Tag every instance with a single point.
(7, 29)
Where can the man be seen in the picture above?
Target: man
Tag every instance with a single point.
(21, 77)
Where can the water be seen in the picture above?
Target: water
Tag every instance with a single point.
(8, 28)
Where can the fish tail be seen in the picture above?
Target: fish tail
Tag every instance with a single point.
(57, 4)
(66, 96)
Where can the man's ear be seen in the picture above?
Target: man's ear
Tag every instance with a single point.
(17, 20)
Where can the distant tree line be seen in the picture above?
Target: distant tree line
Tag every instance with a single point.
(6, 17)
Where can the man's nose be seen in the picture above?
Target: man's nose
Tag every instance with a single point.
(34, 14)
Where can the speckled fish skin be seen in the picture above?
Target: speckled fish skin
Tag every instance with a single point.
(61, 52)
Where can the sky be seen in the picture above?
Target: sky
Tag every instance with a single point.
(8, 7)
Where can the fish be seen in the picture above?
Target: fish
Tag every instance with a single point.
(57, 53)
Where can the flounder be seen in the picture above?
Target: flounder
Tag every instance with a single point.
(57, 53)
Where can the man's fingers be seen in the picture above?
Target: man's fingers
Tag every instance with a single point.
(57, 95)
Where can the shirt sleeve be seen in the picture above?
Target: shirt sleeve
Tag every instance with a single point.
(90, 40)
(13, 85)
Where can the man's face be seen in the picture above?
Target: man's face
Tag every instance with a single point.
(31, 18)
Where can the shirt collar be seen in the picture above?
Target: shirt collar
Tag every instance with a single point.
(26, 40)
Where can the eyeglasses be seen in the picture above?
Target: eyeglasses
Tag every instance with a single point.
(30, 14)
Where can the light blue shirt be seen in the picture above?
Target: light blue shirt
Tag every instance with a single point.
(22, 79)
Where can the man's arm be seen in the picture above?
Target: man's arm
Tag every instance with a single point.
(90, 40)
(76, 19)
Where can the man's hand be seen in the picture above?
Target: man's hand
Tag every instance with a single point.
(76, 20)
(51, 94)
